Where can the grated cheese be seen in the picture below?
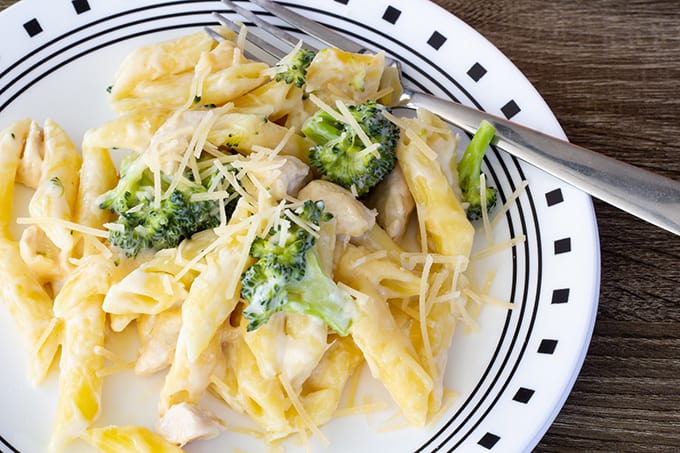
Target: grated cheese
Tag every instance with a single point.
(422, 146)
(299, 407)
(485, 298)
(420, 208)
(108, 354)
(120, 368)
(380, 254)
(54, 322)
(399, 122)
(506, 206)
(326, 108)
(349, 119)
(282, 144)
(55, 221)
(361, 409)
(216, 195)
(422, 313)
(496, 248)
(373, 149)
(305, 225)
(435, 287)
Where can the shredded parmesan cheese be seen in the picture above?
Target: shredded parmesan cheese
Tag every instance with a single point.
(307, 226)
(73, 226)
(349, 119)
(506, 206)
(422, 313)
(326, 108)
(422, 146)
(420, 214)
(361, 409)
(115, 369)
(496, 248)
(299, 407)
(380, 254)
(373, 149)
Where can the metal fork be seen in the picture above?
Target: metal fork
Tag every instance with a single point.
(651, 197)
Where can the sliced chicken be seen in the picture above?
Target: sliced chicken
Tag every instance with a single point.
(352, 217)
(158, 334)
(285, 176)
(184, 422)
(394, 203)
(170, 142)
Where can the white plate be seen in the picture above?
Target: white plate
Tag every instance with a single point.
(512, 377)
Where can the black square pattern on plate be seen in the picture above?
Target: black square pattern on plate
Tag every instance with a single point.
(436, 40)
(32, 27)
(560, 296)
(554, 197)
(344, 2)
(81, 6)
(562, 246)
(523, 395)
(391, 14)
(547, 346)
(510, 109)
(476, 72)
(488, 440)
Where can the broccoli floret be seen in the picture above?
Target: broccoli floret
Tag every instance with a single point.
(294, 69)
(338, 153)
(470, 169)
(143, 224)
(288, 276)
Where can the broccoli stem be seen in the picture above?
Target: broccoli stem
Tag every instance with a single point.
(316, 294)
(470, 170)
(323, 129)
(470, 165)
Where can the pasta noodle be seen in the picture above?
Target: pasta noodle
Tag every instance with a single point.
(196, 112)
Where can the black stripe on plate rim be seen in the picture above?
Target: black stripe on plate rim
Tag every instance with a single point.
(6, 443)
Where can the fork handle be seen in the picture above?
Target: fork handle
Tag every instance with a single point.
(651, 197)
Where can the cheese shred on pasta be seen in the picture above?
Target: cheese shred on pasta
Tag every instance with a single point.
(63, 223)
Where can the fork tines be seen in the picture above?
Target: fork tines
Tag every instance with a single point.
(277, 44)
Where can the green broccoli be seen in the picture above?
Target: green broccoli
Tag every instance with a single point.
(338, 151)
(470, 169)
(288, 276)
(143, 224)
(294, 69)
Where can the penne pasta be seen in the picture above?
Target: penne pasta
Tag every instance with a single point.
(80, 384)
(121, 439)
(386, 348)
(58, 187)
(12, 142)
(31, 308)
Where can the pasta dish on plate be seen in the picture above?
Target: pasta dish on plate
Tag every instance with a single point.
(264, 231)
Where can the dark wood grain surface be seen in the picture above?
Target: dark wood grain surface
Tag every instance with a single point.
(610, 71)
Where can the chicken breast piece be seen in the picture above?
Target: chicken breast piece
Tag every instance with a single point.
(352, 216)
(184, 422)
(394, 203)
(285, 179)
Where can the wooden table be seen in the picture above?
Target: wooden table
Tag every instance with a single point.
(610, 71)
